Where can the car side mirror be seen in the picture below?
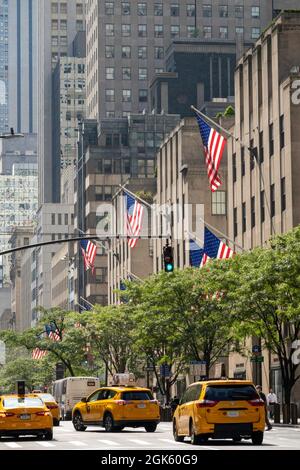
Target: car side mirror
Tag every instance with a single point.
(84, 400)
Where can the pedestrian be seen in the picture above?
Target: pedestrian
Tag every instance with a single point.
(263, 397)
(271, 400)
(174, 403)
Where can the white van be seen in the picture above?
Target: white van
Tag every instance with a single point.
(69, 391)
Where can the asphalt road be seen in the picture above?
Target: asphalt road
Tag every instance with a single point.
(66, 438)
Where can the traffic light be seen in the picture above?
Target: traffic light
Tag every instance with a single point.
(21, 387)
(168, 259)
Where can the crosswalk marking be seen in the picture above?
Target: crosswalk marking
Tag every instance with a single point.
(140, 442)
(78, 443)
(168, 440)
(109, 443)
(13, 445)
(45, 444)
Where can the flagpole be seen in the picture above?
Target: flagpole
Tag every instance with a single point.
(123, 188)
(222, 234)
(212, 122)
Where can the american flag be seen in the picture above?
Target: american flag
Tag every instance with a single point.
(134, 217)
(214, 144)
(38, 353)
(214, 247)
(198, 257)
(89, 252)
(54, 335)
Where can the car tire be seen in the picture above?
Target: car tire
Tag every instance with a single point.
(257, 438)
(78, 423)
(108, 423)
(151, 427)
(48, 435)
(177, 438)
(195, 438)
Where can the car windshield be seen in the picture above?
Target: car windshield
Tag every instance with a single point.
(47, 397)
(230, 392)
(141, 395)
(22, 402)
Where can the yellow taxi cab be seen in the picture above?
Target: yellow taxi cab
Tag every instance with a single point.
(51, 404)
(25, 415)
(220, 409)
(117, 407)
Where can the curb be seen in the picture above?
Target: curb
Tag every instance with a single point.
(279, 425)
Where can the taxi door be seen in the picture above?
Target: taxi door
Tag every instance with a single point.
(98, 406)
(89, 412)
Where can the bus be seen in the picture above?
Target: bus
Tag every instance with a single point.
(69, 391)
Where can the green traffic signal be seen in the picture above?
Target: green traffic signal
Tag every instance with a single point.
(169, 267)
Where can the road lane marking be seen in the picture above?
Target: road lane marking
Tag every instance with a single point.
(206, 447)
(46, 444)
(140, 442)
(109, 443)
(78, 443)
(168, 440)
(13, 445)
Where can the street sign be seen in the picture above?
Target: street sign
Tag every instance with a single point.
(256, 348)
(165, 370)
(198, 368)
(257, 359)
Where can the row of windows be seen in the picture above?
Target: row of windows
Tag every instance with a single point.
(126, 95)
(262, 201)
(191, 31)
(158, 10)
(63, 8)
(126, 73)
(57, 219)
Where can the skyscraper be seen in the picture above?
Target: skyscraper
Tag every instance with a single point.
(3, 65)
(58, 23)
(22, 65)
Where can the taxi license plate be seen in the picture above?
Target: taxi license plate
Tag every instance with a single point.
(141, 405)
(233, 414)
(25, 417)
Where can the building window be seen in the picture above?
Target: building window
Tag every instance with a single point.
(109, 30)
(126, 73)
(253, 212)
(175, 31)
(126, 52)
(63, 25)
(281, 123)
(271, 139)
(109, 95)
(107, 167)
(191, 10)
(261, 147)
(59, 219)
(54, 40)
(223, 11)
(262, 206)
(218, 203)
(243, 165)
(109, 8)
(109, 52)
(223, 34)
(253, 152)
(126, 166)
(255, 12)
(174, 9)
(191, 31)
(54, 25)
(63, 40)
(239, 30)
(272, 199)
(126, 96)
(235, 223)
(125, 6)
(234, 167)
(54, 8)
(159, 52)
(283, 195)
(158, 9)
(143, 96)
(52, 219)
(79, 25)
(142, 30)
(110, 114)
(126, 30)
(142, 74)
(158, 31)
(244, 225)
(110, 73)
(207, 11)
(142, 52)
(207, 32)
(101, 275)
(142, 9)
(239, 11)
(64, 8)
(79, 8)
(255, 33)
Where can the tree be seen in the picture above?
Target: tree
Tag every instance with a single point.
(265, 300)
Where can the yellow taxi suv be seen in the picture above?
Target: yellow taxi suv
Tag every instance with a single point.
(220, 409)
(25, 415)
(52, 406)
(117, 407)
